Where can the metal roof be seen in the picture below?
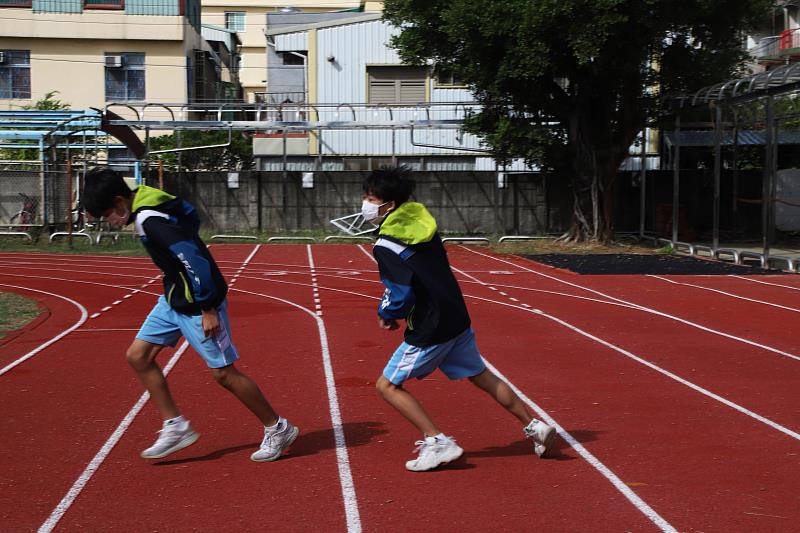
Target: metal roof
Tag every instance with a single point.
(744, 138)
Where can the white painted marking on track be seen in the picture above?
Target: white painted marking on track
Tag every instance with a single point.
(58, 337)
(626, 491)
(725, 293)
(644, 308)
(103, 310)
(766, 282)
(342, 457)
(101, 455)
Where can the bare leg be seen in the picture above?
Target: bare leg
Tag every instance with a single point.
(408, 406)
(246, 390)
(141, 356)
(502, 393)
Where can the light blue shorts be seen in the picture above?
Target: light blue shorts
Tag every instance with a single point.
(164, 326)
(458, 358)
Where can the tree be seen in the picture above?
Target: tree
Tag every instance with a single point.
(237, 156)
(568, 85)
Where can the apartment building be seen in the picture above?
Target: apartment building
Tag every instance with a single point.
(778, 40)
(98, 51)
(248, 18)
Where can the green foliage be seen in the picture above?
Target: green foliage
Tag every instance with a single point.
(237, 156)
(48, 103)
(567, 85)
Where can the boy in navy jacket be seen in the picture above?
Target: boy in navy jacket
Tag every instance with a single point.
(193, 305)
(420, 288)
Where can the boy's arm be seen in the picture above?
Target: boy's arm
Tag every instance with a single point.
(197, 268)
(398, 297)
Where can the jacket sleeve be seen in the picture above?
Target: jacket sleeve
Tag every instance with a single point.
(196, 267)
(398, 297)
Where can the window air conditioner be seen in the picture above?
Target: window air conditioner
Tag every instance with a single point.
(113, 61)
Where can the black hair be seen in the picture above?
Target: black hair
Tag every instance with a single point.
(100, 187)
(390, 184)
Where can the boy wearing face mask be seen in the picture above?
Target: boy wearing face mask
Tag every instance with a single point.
(193, 305)
(422, 290)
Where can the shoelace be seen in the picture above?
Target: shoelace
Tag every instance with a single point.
(421, 444)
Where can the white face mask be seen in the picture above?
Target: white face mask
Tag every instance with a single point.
(115, 220)
(371, 211)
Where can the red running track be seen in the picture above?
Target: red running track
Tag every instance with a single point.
(666, 425)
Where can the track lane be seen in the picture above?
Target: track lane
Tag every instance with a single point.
(534, 491)
(687, 472)
(214, 483)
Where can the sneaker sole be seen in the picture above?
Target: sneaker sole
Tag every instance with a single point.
(289, 442)
(443, 462)
(549, 440)
(188, 441)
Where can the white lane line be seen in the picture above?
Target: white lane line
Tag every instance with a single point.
(626, 491)
(647, 309)
(103, 310)
(95, 315)
(342, 457)
(61, 335)
(101, 455)
(701, 287)
(766, 282)
(86, 330)
(618, 484)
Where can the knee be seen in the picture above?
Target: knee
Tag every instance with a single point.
(385, 387)
(223, 376)
(137, 357)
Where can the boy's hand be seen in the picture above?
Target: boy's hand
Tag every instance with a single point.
(388, 324)
(210, 323)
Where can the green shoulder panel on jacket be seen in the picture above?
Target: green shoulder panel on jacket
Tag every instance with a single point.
(410, 223)
(149, 197)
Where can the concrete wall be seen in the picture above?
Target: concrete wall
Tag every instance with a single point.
(462, 202)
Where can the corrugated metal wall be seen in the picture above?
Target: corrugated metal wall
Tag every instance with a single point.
(354, 47)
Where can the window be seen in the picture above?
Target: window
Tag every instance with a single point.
(104, 4)
(235, 20)
(292, 59)
(446, 78)
(397, 85)
(124, 76)
(15, 74)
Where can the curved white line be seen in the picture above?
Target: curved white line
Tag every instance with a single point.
(648, 309)
(41, 347)
(342, 457)
(124, 287)
(345, 476)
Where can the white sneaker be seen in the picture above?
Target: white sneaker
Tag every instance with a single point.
(543, 436)
(434, 451)
(171, 438)
(275, 441)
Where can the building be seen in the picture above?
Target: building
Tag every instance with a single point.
(344, 69)
(778, 40)
(248, 18)
(98, 51)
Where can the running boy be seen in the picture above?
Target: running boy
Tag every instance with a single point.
(421, 289)
(193, 305)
